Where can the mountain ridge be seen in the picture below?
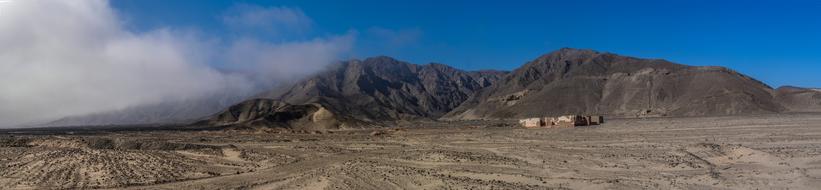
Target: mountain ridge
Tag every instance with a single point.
(578, 81)
(395, 89)
(566, 81)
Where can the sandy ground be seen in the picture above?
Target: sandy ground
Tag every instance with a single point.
(751, 152)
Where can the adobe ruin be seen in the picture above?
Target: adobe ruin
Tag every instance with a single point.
(562, 121)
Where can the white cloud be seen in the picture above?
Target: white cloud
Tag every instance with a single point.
(61, 58)
(270, 62)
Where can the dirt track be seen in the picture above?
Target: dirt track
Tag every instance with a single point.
(770, 152)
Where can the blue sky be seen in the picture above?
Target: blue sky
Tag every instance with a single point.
(778, 42)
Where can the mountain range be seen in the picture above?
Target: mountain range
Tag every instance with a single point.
(381, 90)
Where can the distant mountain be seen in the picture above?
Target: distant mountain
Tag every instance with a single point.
(173, 112)
(383, 88)
(577, 81)
(797, 99)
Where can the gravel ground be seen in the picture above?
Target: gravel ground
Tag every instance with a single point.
(739, 152)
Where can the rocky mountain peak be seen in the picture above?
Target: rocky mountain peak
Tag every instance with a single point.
(383, 88)
(586, 81)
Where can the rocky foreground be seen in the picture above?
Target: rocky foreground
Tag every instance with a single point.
(767, 151)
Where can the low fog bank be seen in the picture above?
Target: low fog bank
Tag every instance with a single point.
(71, 58)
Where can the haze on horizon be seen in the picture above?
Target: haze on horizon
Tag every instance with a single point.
(64, 58)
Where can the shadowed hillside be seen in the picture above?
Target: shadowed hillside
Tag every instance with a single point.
(382, 88)
(589, 82)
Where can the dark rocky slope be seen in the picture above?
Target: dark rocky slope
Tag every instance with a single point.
(589, 82)
(272, 113)
(385, 89)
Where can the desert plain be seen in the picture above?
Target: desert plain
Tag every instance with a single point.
(773, 151)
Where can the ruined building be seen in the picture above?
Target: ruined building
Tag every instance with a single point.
(561, 121)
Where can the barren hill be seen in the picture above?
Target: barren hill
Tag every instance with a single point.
(382, 88)
(273, 113)
(798, 99)
(589, 82)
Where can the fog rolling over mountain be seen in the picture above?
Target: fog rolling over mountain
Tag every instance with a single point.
(171, 112)
(567, 81)
(576, 81)
(374, 89)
